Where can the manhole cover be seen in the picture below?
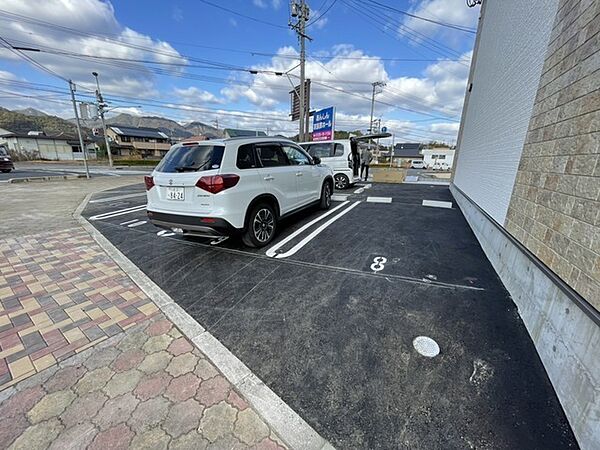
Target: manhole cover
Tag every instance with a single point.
(426, 346)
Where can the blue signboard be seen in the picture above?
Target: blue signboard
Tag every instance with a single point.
(323, 124)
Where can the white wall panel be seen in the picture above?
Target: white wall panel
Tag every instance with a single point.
(512, 47)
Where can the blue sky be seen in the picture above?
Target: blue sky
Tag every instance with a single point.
(189, 42)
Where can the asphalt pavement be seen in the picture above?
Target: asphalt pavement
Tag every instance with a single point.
(328, 314)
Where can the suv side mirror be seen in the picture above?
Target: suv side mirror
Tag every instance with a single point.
(316, 160)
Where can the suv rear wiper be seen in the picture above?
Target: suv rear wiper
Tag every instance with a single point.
(187, 168)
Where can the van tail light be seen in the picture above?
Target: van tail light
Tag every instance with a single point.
(217, 183)
(149, 182)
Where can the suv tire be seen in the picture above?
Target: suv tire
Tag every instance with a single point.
(325, 195)
(262, 225)
(341, 181)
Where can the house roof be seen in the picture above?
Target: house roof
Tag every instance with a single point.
(138, 131)
(408, 150)
(62, 137)
(232, 132)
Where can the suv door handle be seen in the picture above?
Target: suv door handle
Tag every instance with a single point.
(298, 174)
(269, 178)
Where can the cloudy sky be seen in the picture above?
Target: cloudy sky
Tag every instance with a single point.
(190, 60)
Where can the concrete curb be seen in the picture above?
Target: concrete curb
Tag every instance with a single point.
(48, 178)
(295, 432)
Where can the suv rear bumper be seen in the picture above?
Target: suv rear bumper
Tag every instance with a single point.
(205, 226)
(5, 165)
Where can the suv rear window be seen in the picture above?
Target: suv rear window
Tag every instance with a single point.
(192, 158)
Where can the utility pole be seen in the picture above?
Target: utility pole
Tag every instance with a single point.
(300, 9)
(101, 106)
(85, 163)
(376, 85)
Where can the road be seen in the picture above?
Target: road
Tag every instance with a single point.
(327, 317)
(27, 170)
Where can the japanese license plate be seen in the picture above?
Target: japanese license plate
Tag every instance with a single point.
(175, 193)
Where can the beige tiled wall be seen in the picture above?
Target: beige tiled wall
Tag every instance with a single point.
(555, 206)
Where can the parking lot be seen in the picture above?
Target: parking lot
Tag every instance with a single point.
(327, 314)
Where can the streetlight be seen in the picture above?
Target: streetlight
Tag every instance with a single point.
(101, 105)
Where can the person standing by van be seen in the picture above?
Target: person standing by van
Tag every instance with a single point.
(365, 161)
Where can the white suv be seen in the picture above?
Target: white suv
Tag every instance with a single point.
(240, 185)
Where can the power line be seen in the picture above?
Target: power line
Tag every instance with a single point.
(231, 11)
(426, 19)
(322, 14)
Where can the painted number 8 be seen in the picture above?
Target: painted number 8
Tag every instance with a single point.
(378, 263)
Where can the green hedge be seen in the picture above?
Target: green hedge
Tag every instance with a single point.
(135, 162)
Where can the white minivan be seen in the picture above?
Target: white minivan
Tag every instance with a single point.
(342, 155)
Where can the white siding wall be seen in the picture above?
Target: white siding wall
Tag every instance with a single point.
(512, 47)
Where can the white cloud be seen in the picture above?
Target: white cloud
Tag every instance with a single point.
(177, 14)
(449, 11)
(88, 16)
(276, 3)
(260, 3)
(233, 22)
(194, 96)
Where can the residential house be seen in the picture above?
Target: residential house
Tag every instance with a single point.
(405, 152)
(37, 145)
(141, 142)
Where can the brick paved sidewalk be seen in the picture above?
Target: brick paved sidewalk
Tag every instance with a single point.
(87, 360)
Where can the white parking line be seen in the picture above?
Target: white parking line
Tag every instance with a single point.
(117, 197)
(339, 197)
(437, 204)
(165, 233)
(119, 212)
(312, 235)
(271, 252)
(368, 186)
(128, 222)
(137, 224)
(359, 190)
(379, 199)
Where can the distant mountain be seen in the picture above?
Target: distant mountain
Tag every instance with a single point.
(22, 123)
(167, 126)
(197, 128)
(30, 112)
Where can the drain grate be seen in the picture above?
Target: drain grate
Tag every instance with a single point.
(426, 346)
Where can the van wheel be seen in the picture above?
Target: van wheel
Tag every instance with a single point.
(325, 195)
(341, 181)
(6, 170)
(262, 224)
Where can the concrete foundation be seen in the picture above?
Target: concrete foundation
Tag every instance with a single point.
(566, 334)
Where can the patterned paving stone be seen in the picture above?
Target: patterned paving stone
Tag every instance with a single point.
(182, 364)
(116, 410)
(217, 422)
(249, 428)
(183, 387)
(21, 402)
(183, 417)
(64, 379)
(213, 391)
(152, 385)
(50, 406)
(132, 341)
(155, 362)
(180, 346)
(93, 381)
(155, 439)
(122, 383)
(102, 358)
(205, 370)
(268, 444)
(38, 436)
(189, 441)
(228, 441)
(234, 399)
(157, 343)
(149, 414)
(159, 327)
(128, 360)
(11, 428)
(76, 437)
(115, 438)
(83, 409)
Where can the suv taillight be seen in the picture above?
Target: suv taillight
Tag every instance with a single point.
(149, 182)
(217, 183)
